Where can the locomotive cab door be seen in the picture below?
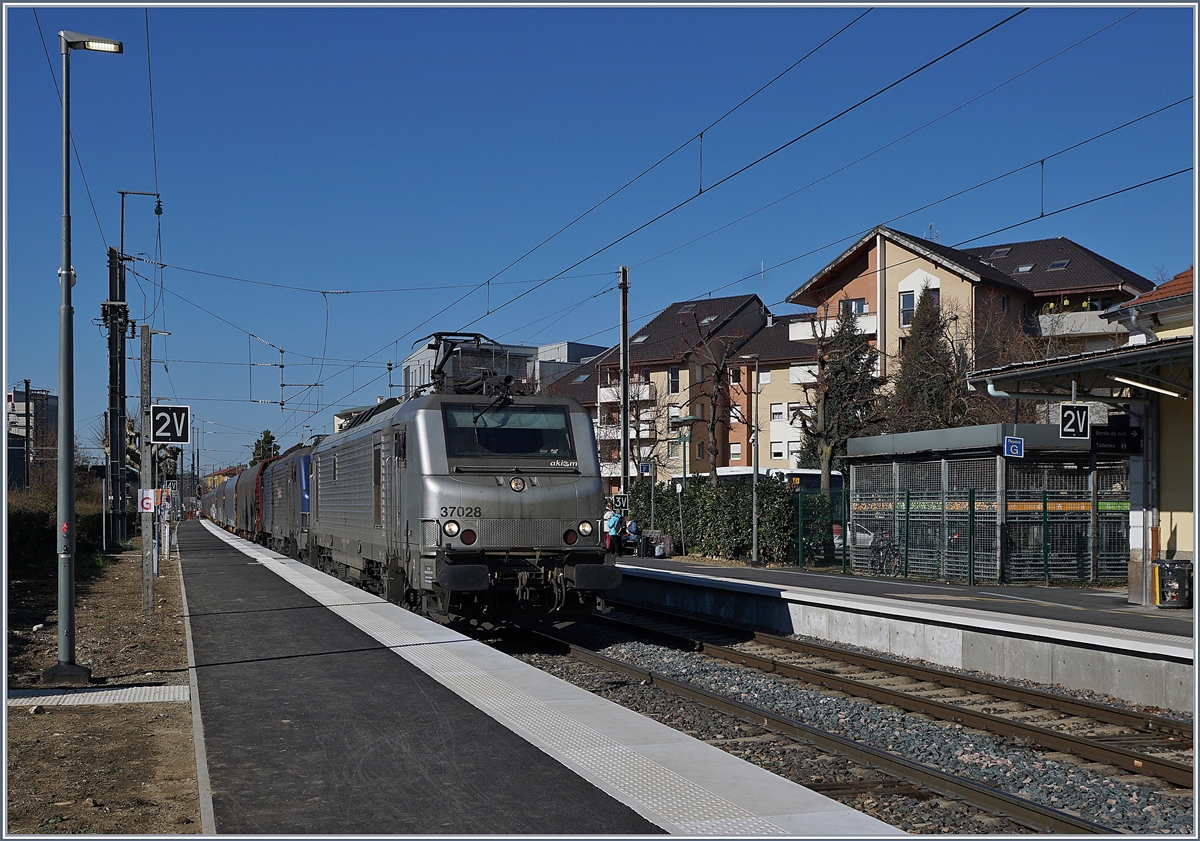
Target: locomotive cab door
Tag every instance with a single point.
(393, 517)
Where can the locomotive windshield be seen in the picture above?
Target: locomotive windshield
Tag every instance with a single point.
(529, 431)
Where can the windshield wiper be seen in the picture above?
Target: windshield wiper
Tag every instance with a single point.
(500, 402)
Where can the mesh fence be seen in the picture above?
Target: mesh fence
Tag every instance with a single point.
(820, 524)
(1049, 530)
(929, 515)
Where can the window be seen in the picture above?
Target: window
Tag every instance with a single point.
(687, 308)
(902, 345)
(855, 306)
(764, 377)
(673, 380)
(776, 411)
(700, 411)
(672, 413)
(699, 375)
(1057, 265)
(793, 409)
(735, 376)
(735, 452)
(793, 451)
(1004, 303)
(483, 430)
(701, 451)
(672, 450)
(908, 306)
(580, 378)
(776, 449)
(1000, 252)
(637, 340)
(1028, 267)
(709, 320)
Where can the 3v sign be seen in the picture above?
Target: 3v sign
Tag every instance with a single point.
(170, 424)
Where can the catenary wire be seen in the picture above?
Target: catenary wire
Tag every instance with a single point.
(762, 158)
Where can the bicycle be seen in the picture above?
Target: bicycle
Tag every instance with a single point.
(885, 557)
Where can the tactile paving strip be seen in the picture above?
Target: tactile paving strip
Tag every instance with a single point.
(124, 695)
(685, 805)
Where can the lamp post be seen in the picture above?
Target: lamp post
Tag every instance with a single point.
(66, 670)
(754, 476)
(685, 439)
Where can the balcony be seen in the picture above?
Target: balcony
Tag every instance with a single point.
(638, 391)
(808, 330)
(612, 432)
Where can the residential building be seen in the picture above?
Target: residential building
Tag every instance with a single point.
(783, 364)
(1072, 285)
(673, 359)
(31, 421)
(990, 294)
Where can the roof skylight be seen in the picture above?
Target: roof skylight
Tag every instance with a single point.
(637, 340)
(1000, 252)
(1028, 267)
(1057, 264)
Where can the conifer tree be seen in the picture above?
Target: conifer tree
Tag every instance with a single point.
(264, 448)
(929, 391)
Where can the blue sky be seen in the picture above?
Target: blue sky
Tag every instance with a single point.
(426, 150)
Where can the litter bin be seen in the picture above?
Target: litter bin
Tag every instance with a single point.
(1173, 584)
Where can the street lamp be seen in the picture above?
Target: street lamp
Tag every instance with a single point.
(66, 670)
(685, 438)
(754, 476)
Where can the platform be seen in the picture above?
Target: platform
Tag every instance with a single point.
(328, 710)
(1070, 636)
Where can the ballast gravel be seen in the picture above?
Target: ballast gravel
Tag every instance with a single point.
(1127, 806)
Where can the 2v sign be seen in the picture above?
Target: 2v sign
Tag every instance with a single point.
(1074, 421)
(170, 424)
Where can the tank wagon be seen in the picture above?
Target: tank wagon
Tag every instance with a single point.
(469, 503)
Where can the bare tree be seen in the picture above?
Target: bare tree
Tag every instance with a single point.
(714, 356)
(842, 399)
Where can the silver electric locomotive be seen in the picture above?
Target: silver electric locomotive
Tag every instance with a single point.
(467, 503)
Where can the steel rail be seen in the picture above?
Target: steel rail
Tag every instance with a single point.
(1177, 773)
(1073, 706)
(1025, 812)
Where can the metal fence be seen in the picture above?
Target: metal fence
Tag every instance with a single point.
(989, 518)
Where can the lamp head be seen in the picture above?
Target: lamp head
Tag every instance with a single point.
(77, 41)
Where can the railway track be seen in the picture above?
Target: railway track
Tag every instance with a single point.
(911, 778)
(1130, 740)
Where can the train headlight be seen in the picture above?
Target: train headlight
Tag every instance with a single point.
(450, 528)
(585, 528)
(517, 483)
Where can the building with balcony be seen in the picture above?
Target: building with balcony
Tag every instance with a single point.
(1052, 287)
(672, 361)
(784, 364)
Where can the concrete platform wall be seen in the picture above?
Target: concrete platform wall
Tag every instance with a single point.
(1145, 668)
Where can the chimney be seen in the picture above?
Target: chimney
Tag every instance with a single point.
(770, 320)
